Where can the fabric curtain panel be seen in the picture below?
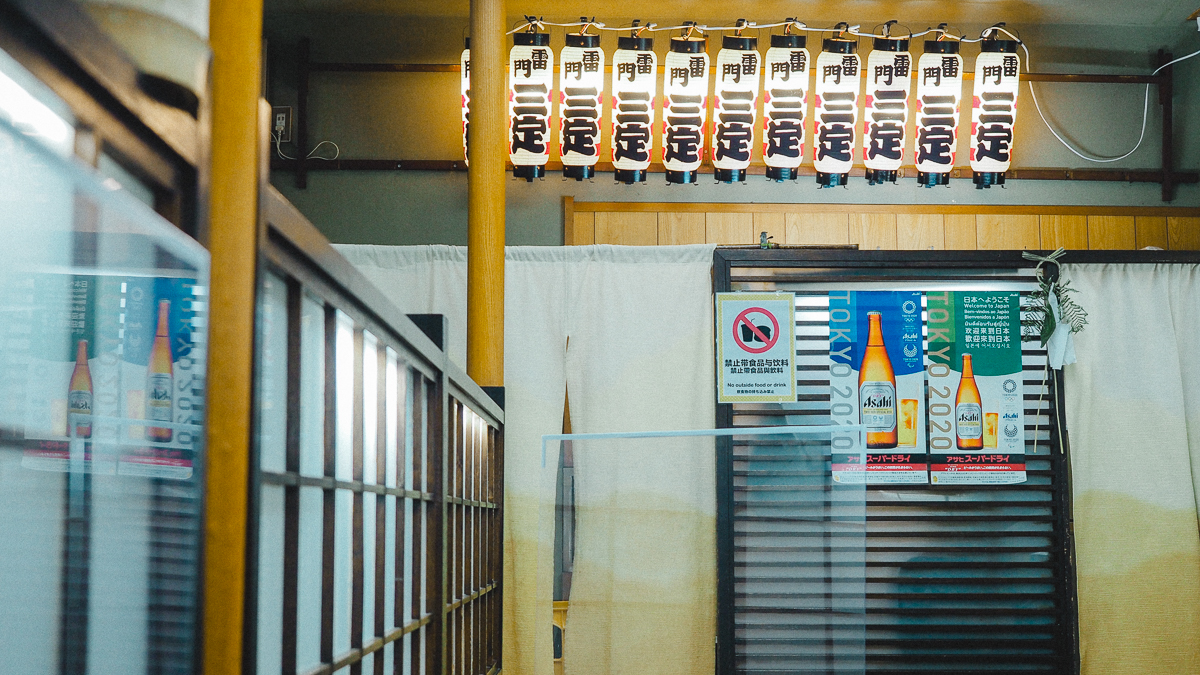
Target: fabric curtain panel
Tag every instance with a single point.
(628, 331)
(1133, 415)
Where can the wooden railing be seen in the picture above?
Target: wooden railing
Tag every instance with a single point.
(377, 477)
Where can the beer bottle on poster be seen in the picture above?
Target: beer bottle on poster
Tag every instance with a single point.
(968, 410)
(159, 380)
(79, 393)
(877, 388)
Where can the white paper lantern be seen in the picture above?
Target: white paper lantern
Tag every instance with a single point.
(739, 68)
(635, 87)
(785, 102)
(464, 69)
(889, 81)
(685, 102)
(581, 84)
(531, 84)
(939, 97)
(835, 117)
(994, 110)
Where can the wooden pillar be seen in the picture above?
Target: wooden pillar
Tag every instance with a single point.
(235, 29)
(485, 194)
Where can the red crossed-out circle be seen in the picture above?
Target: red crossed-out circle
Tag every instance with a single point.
(741, 318)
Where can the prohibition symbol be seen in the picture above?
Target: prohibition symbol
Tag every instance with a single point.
(748, 336)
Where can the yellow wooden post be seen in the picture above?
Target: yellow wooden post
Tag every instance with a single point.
(235, 28)
(485, 194)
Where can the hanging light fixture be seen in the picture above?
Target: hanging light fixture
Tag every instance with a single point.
(735, 105)
(994, 110)
(939, 94)
(634, 87)
(581, 82)
(784, 101)
(464, 80)
(836, 113)
(889, 81)
(531, 82)
(685, 94)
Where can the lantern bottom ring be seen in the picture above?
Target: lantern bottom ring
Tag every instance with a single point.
(780, 174)
(579, 172)
(730, 175)
(881, 176)
(931, 179)
(529, 172)
(986, 179)
(629, 176)
(828, 180)
(682, 177)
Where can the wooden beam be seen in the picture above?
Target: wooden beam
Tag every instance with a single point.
(1166, 96)
(756, 169)
(967, 76)
(485, 194)
(236, 39)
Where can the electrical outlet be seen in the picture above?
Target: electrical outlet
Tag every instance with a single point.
(281, 123)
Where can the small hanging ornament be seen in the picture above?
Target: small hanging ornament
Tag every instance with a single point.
(1054, 317)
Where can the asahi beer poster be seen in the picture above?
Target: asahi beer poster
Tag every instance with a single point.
(976, 413)
(756, 347)
(116, 375)
(877, 379)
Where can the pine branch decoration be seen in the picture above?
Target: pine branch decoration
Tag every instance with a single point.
(1037, 320)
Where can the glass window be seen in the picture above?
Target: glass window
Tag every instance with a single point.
(102, 322)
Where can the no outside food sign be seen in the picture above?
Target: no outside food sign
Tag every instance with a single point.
(756, 347)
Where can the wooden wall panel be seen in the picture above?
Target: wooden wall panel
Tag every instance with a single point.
(729, 228)
(680, 228)
(816, 228)
(627, 229)
(1070, 232)
(581, 230)
(961, 232)
(1151, 231)
(873, 231)
(1111, 232)
(1007, 232)
(886, 227)
(920, 232)
(773, 225)
(1183, 234)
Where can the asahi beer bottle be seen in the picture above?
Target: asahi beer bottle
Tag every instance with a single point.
(79, 393)
(877, 389)
(968, 410)
(159, 380)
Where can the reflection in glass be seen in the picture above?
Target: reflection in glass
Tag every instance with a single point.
(103, 309)
(312, 387)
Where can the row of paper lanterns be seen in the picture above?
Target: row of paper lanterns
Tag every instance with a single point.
(742, 74)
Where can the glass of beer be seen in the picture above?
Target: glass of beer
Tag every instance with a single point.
(989, 429)
(908, 422)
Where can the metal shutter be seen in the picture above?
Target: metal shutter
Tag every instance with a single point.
(819, 578)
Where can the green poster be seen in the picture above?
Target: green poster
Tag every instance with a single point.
(976, 410)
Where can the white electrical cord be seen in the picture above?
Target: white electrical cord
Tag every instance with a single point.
(337, 151)
(653, 27)
(1054, 132)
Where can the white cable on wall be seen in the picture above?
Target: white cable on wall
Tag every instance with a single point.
(337, 152)
(1054, 132)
